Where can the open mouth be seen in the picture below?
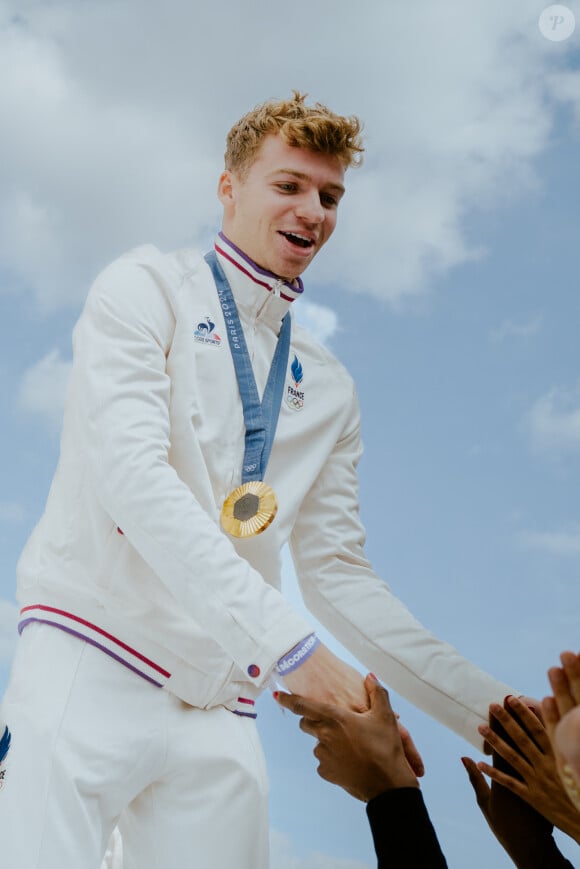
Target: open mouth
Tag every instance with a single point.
(298, 240)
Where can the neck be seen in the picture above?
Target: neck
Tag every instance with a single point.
(288, 290)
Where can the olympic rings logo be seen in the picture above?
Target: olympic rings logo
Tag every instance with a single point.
(294, 403)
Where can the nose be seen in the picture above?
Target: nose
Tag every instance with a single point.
(309, 207)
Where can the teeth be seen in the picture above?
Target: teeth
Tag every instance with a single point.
(304, 240)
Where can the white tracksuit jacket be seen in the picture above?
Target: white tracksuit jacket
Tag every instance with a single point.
(130, 552)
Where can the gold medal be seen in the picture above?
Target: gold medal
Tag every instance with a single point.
(249, 509)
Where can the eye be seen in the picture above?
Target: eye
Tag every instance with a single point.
(287, 186)
(328, 200)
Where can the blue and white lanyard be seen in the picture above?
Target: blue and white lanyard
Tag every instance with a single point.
(260, 417)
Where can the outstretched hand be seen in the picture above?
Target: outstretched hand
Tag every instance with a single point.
(366, 753)
(534, 776)
(562, 717)
(518, 827)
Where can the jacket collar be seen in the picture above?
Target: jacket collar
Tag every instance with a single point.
(259, 293)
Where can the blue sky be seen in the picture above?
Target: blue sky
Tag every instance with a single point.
(450, 291)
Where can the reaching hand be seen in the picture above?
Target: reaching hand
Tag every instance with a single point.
(562, 717)
(519, 828)
(363, 752)
(534, 775)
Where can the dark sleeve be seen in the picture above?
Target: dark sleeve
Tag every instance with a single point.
(552, 857)
(402, 831)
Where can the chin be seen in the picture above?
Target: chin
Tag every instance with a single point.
(296, 269)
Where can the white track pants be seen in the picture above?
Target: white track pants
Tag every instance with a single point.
(94, 745)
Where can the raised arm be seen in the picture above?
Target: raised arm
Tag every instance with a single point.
(343, 592)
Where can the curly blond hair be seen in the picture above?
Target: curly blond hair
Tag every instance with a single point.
(313, 127)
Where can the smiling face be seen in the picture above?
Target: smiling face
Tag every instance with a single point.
(284, 207)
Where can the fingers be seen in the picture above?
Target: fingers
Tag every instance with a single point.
(571, 664)
(561, 690)
(326, 767)
(380, 705)
(311, 726)
(378, 696)
(478, 783)
(531, 703)
(527, 729)
(414, 759)
(317, 719)
(379, 701)
(526, 732)
(301, 706)
(502, 778)
(498, 745)
(567, 739)
(565, 683)
(512, 757)
(551, 716)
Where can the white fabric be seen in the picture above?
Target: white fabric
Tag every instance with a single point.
(153, 443)
(90, 738)
(114, 854)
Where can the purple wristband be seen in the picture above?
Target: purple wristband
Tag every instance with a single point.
(296, 656)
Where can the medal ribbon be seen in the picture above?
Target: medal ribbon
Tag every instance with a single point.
(260, 417)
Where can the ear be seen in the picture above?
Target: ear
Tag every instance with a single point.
(226, 188)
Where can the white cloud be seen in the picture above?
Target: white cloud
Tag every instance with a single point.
(106, 149)
(516, 329)
(10, 511)
(43, 388)
(282, 857)
(565, 87)
(554, 420)
(321, 321)
(86, 174)
(565, 542)
(8, 631)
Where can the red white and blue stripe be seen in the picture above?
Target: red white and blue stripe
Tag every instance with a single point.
(287, 290)
(246, 708)
(112, 646)
(96, 636)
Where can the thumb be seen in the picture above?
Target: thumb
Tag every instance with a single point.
(380, 705)
(378, 696)
(478, 783)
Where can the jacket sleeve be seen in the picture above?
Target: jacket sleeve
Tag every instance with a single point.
(119, 373)
(403, 834)
(342, 591)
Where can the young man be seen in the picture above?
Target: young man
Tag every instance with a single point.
(151, 611)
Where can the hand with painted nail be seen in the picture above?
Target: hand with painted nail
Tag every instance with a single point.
(524, 834)
(370, 755)
(562, 718)
(532, 773)
(366, 753)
